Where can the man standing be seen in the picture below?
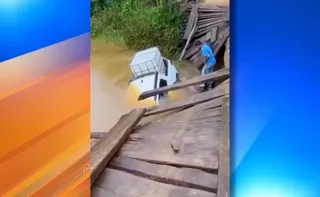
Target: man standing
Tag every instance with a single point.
(209, 59)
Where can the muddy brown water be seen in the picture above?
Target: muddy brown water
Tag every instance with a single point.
(111, 97)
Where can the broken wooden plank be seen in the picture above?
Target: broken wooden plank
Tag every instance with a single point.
(205, 38)
(224, 152)
(185, 177)
(188, 41)
(195, 56)
(207, 29)
(200, 9)
(116, 183)
(214, 34)
(198, 62)
(196, 99)
(93, 141)
(211, 24)
(226, 57)
(97, 135)
(221, 40)
(228, 17)
(205, 21)
(191, 21)
(190, 52)
(224, 73)
(222, 27)
(104, 150)
(211, 15)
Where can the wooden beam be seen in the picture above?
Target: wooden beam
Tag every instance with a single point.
(226, 57)
(116, 183)
(190, 52)
(208, 29)
(93, 141)
(214, 34)
(188, 41)
(104, 150)
(218, 75)
(186, 177)
(194, 100)
(222, 40)
(224, 152)
(211, 15)
(195, 56)
(211, 24)
(205, 38)
(198, 62)
(191, 21)
(97, 135)
(205, 21)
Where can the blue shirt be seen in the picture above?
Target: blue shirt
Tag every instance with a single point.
(206, 51)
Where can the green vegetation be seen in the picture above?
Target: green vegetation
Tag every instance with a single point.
(138, 24)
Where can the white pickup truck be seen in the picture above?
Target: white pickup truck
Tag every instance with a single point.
(151, 70)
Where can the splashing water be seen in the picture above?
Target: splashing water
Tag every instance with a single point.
(176, 95)
(132, 98)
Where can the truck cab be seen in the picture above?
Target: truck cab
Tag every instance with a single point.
(151, 71)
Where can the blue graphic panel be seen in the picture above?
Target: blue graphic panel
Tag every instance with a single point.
(275, 51)
(29, 25)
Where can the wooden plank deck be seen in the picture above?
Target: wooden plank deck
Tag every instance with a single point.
(147, 165)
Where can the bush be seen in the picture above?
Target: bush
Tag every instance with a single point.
(139, 23)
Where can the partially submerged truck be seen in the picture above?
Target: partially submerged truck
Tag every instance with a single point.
(151, 71)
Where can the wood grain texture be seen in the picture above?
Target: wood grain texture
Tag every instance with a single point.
(218, 75)
(217, 92)
(226, 57)
(188, 41)
(97, 135)
(191, 21)
(93, 141)
(214, 34)
(223, 37)
(224, 152)
(206, 37)
(190, 52)
(115, 183)
(105, 149)
(176, 139)
(185, 177)
(152, 142)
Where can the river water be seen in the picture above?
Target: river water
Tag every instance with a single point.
(111, 97)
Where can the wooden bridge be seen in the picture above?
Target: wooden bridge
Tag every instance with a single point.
(178, 149)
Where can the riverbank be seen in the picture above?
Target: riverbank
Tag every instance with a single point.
(139, 24)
